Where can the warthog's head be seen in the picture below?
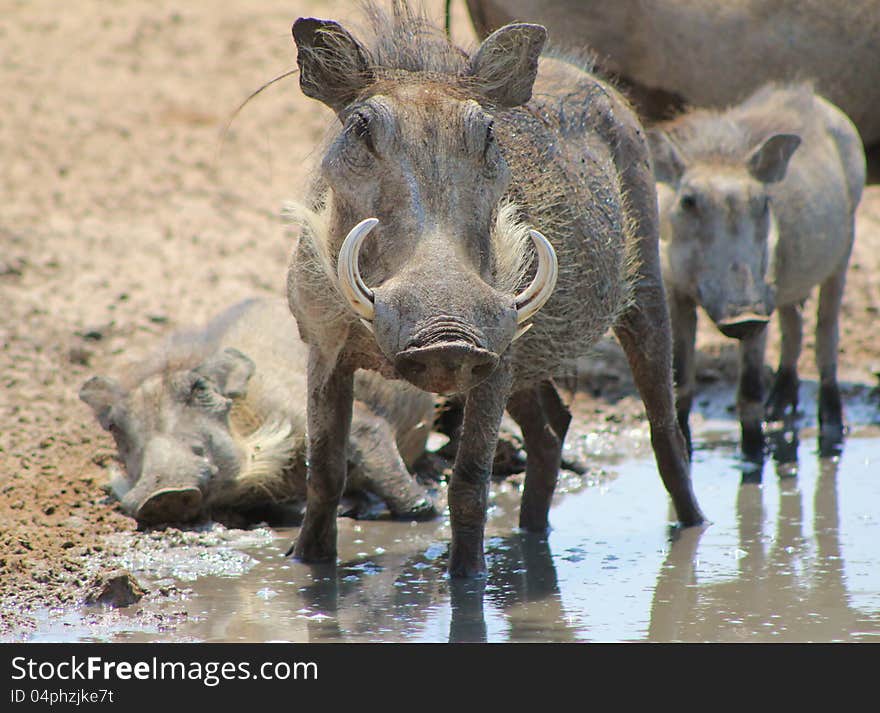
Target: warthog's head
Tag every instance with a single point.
(426, 249)
(719, 229)
(173, 435)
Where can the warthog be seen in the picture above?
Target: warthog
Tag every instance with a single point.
(215, 422)
(415, 261)
(716, 52)
(763, 211)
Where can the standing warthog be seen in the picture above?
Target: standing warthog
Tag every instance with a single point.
(716, 52)
(415, 261)
(215, 421)
(763, 210)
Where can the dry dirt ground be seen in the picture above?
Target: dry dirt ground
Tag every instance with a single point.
(126, 213)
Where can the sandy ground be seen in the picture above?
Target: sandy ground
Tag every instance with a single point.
(125, 213)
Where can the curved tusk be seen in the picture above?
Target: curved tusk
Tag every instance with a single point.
(530, 300)
(359, 297)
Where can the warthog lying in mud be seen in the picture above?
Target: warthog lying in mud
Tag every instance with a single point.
(415, 258)
(215, 422)
(761, 211)
(713, 53)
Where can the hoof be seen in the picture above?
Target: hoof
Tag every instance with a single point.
(424, 509)
(311, 553)
(537, 524)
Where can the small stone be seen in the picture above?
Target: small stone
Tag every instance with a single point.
(115, 589)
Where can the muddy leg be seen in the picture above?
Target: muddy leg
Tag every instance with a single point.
(783, 400)
(750, 396)
(683, 316)
(644, 330)
(543, 419)
(644, 336)
(376, 466)
(329, 420)
(468, 490)
(827, 337)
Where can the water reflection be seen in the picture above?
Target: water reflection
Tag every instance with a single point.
(790, 586)
(522, 583)
(791, 555)
(395, 601)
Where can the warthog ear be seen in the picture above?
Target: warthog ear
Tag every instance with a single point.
(333, 66)
(666, 157)
(230, 370)
(100, 393)
(506, 64)
(769, 161)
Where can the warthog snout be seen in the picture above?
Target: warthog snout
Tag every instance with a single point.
(446, 368)
(170, 505)
(361, 299)
(743, 326)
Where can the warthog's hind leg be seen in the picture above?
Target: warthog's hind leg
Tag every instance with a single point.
(376, 466)
(644, 334)
(331, 392)
(468, 491)
(831, 427)
(543, 419)
(683, 313)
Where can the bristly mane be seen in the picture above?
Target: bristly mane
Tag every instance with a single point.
(406, 39)
(729, 134)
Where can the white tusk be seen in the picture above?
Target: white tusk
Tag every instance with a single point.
(357, 294)
(530, 300)
(521, 330)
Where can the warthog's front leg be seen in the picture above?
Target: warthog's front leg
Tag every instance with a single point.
(330, 399)
(544, 420)
(750, 395)
(783, 399)
(468, 491)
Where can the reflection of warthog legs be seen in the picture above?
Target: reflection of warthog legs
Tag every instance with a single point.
(468, 623)
(776, 593)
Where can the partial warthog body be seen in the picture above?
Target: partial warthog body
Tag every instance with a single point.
(713, 53)
(416, 261)
(215, 421)
(760, 210)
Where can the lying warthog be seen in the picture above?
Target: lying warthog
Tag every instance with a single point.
(414, 261)
(715, 52)
(215, 422)
(763, 211)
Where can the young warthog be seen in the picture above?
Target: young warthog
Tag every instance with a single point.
(215, 421)
(761, 210)
(415, 258)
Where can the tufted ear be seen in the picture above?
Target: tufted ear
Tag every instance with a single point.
(230, 370)
(666, 157)
(101, 393)
(506, 63)
(333, 66)
(769, 161)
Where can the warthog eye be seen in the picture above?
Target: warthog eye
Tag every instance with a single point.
(361, 128)
(490, 137)
(689, 203)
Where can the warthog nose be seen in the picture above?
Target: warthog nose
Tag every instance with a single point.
(170, 505)
(446, 368)
(743, 326)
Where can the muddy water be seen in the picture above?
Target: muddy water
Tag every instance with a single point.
(792, 554)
